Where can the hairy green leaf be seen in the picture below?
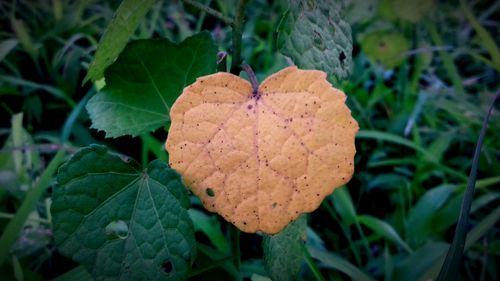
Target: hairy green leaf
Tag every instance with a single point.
(315, 35)
(121, 222)
(120, 29)
(145, 81)
(283, 251)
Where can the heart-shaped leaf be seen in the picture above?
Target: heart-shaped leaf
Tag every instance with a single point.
(145, 80)
(120, 222)
(262, 158)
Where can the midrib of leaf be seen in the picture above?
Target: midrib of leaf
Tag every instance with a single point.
(137, 108)
(152, 81)
(158, 217)
(98, 207)
(186, 73)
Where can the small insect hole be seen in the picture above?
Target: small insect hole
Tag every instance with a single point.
(210, 192)
(167, 266)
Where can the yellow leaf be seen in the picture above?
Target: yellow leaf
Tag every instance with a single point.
(261, 159)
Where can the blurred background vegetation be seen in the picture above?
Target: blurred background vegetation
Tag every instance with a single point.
(423, 75)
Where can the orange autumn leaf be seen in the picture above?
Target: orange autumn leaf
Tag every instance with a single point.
(261, 159)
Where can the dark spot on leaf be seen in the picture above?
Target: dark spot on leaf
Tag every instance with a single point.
(167, 266)
(210, 192)
(342, 57)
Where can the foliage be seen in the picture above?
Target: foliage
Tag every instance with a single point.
(422, 79)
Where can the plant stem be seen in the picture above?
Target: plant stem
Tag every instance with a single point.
(252, 77)
(237, 34)
(210, 11)
(235, 245)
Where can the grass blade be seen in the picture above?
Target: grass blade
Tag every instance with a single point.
(451, 266)
(11, 231)
(332, 261)
(384, 229)
(472, 237)
(120, 29)
(383, 136)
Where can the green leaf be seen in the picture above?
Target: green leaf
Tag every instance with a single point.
(123, 25)
(283, 251)
(315, 36)
(383, 229)
(413, 266)
(385, 47)
(6, 46)
(145, 81)
(211, 227)
(333, 261)
(420, 219)
(120, 222)
(76, 274)
(485, 38)
(342, 202)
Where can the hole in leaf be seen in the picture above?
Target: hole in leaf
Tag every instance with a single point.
(342, 57)
(167, 266)
(210, 192)
(117, 228)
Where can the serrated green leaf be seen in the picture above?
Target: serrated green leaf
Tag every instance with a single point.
(283, 251)
(315, 35)
(120, 222)
(144, 82)
(123, 25)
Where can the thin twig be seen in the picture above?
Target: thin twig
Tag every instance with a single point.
(210, 11)
(45, 147)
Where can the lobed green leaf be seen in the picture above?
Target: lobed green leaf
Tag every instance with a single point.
(120, 222)
(144, 82)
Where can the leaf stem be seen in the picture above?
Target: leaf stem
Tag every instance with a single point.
(210, 11)
(237, 34)
(252, 77)
(449, 271)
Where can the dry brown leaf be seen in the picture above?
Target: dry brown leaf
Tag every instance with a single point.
(262, 160)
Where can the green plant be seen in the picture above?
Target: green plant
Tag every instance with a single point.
(422, 79)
